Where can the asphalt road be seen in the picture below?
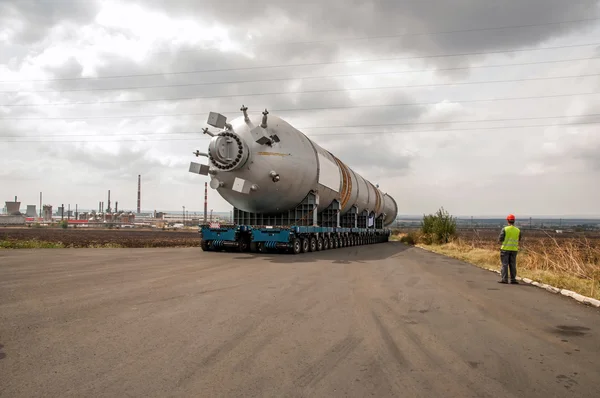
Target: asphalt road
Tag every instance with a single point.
(381, 320)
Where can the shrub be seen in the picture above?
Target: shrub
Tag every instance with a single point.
(438, 228)
(409, 239)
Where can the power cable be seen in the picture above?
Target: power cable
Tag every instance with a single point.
(296, 78)
(339, 126)
(403, 104)
(302, 64)
(295, 92)
(333, 134)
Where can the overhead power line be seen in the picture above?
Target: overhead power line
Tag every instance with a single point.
(296, 78)
(302, 127)
(297, 92)
(417, 103)
(302, 64)
(336, 134)
(348, 126)
(443, 32)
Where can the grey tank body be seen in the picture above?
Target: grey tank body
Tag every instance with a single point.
(274, 178)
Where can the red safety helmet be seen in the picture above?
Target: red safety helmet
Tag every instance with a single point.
(511, 217)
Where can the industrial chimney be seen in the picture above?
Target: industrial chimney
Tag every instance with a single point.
(139, 209)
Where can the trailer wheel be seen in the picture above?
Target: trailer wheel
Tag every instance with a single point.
(320, 244)
(296, 246)
(313, 244)
(253, 247)
(204, 245)
(304, 242)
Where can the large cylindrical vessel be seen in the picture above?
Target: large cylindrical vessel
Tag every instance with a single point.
(262, 164)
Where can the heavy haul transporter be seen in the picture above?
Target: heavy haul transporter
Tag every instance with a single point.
(288, 193)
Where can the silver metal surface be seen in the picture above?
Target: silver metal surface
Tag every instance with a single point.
(198, 168)
(265, 165)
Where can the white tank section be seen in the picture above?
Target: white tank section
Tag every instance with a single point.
(262, 164)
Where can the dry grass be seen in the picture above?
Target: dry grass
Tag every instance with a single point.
(567, 263)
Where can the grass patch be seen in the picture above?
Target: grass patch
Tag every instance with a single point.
(30, 244)
(568, 265)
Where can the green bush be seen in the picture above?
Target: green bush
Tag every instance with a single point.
(438, 228)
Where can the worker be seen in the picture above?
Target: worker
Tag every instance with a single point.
(510, 237)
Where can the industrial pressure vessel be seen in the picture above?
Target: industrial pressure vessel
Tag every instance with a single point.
(262, 164)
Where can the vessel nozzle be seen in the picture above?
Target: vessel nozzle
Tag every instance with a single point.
(244, 109)
(264, 119)
(274, 176)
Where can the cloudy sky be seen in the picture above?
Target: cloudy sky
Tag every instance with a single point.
(484, 107)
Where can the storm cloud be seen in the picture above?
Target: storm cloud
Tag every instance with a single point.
(420, 97)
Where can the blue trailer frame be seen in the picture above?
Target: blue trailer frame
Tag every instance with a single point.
(293, 239)
(300, 230)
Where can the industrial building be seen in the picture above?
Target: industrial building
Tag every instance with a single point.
(100, 217)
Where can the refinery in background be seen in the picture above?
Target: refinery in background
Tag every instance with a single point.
(15, 213)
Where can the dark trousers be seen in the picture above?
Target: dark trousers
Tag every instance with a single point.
(509, 262)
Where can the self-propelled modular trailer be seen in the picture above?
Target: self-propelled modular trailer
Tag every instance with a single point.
(287, 192)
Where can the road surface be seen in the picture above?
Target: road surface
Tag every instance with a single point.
(382, 320)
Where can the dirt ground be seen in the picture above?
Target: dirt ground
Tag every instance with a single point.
(83, 237)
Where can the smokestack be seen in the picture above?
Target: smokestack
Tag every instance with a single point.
(205, 199)
(108, 209)
(40, 205)
(139, 201)
(76, 212)
(116, 207)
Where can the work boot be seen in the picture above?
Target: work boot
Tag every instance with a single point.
(502, 282)
(515, 282)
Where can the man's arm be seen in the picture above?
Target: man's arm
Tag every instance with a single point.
(501, 236)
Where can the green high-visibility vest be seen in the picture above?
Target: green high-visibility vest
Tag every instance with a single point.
(511, 238)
